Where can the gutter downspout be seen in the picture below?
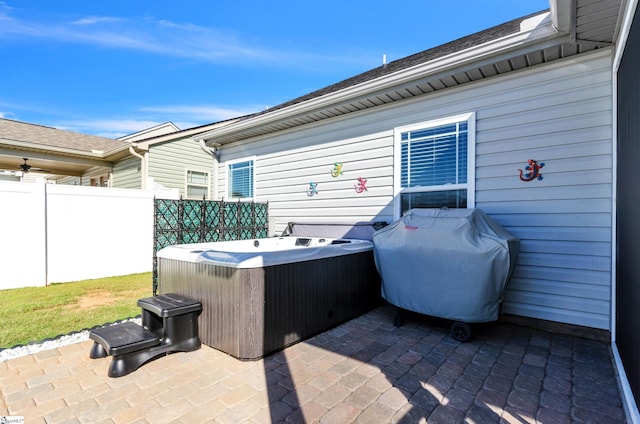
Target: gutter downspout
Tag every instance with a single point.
(563, 16)
(143, 166)
(215, 155)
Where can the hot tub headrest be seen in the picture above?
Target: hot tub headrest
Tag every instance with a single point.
(358, 230)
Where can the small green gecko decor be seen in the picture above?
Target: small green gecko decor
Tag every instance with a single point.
(337, 169)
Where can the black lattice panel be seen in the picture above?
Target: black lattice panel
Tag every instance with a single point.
(192, 214)
(229, 215)
(166, 239)
(189, 237)
(212, 235)
(167, 216)
(212, 214)
(194, 221)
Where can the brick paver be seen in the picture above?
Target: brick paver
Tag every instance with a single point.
(364, 371)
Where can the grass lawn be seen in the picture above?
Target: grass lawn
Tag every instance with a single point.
(36, 313)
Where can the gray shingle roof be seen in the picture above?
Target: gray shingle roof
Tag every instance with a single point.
(48, 137)
(425, 56)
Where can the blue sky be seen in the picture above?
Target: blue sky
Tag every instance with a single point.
(115, 67)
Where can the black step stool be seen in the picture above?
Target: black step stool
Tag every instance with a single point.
(169, 324)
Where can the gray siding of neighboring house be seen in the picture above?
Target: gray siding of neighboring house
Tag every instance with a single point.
(559, 114)
(69, 181)
(127, 174)
(85, 180)
(95, 174)
(169, 161)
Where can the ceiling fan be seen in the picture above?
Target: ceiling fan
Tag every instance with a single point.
(28, 168)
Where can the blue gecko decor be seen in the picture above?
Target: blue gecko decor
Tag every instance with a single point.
(337, 169)
(361, 186)
(313, 189)
(533, 171)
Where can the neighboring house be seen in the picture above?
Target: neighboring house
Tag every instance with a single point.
(172, 161)
(28, 150)
(158, 158)
(457, 126)
(134, 151)
(158, 130)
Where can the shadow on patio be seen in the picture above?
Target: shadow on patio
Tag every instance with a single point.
(365, 370)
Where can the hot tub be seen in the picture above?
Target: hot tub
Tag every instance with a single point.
(259, 296)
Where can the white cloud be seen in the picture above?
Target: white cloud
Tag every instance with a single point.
(92, 20)
(7, 115)
(107, 126)
(184, 116)
(162, 37)
(202, 113)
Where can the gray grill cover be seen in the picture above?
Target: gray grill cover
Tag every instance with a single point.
(448, 263)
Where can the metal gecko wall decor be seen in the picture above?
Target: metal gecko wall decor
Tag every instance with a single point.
(312, 190)
(533, 171)
(361, 186)
(337, 169)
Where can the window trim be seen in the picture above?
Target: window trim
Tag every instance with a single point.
(227, 179)
(470, 186)
(187, 183)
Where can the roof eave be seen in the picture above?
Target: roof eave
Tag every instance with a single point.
(534, 32)
(121, 152)
(190, 132)
(96, 157)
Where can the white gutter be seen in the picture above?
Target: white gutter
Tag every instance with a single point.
(211, 151)
(215, 155)
(536, 29)
(563, 16)
(143, 166)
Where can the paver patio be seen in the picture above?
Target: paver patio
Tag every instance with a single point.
(364, 371)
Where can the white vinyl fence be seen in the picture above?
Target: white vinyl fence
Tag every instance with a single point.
(58, 233)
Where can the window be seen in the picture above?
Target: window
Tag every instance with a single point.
(197, 184)
(100, 181)
(240, 179)
(435, 164)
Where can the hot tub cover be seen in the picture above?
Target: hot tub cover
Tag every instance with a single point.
(448, 263)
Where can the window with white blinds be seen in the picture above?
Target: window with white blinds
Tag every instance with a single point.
(435, 163)
(240, 179)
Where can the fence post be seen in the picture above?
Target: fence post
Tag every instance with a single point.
(203, 219)
(238, 223)
(180, 219)
(154, 273)
(222, 212)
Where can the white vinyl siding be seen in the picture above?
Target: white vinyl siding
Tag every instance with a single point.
(559, 114)
(283, 179)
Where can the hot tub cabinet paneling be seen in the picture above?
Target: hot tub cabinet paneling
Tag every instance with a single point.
(251, 312)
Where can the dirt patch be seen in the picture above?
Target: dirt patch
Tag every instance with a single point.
(101, 297)
(94, 299)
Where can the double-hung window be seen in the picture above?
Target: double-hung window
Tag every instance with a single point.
(240, 179)
(197, 185)
(435, 163)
